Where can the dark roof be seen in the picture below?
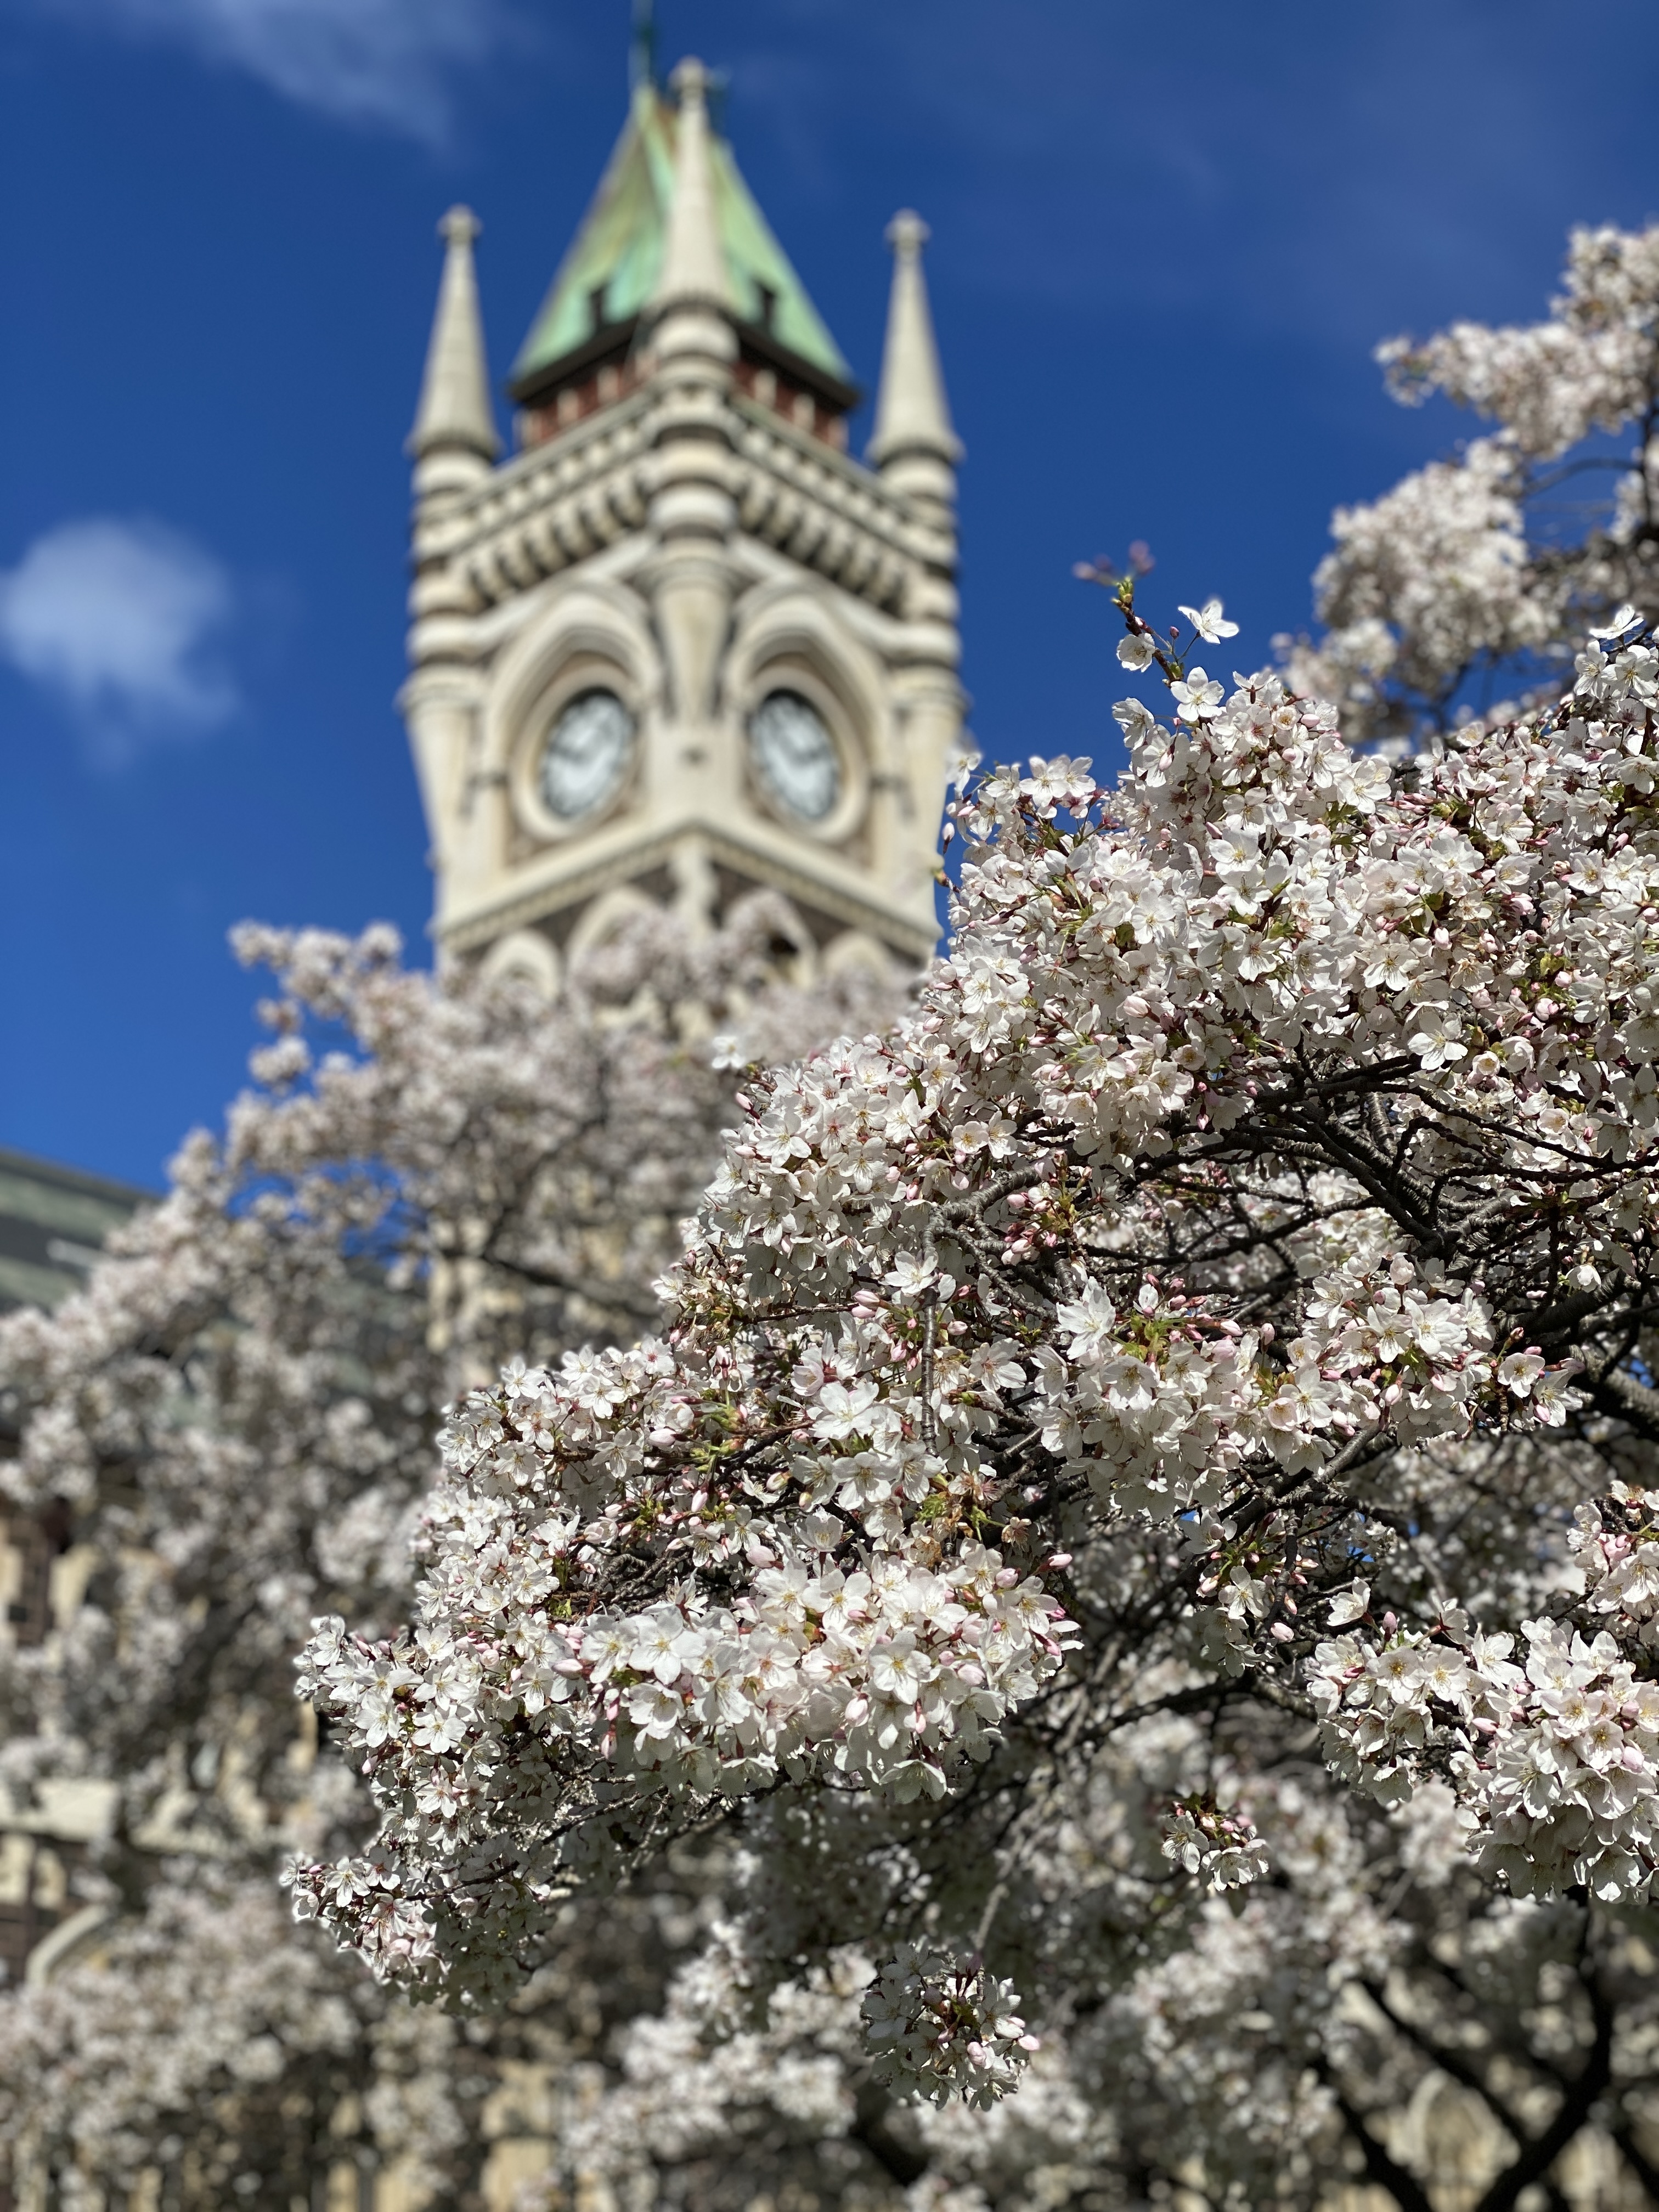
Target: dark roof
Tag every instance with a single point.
(53, 1221)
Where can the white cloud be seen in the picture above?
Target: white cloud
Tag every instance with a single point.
(385, 63)
(123, 622)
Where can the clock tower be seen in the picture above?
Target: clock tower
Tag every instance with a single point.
(680, 645)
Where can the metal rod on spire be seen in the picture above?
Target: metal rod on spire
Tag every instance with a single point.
(643, 46)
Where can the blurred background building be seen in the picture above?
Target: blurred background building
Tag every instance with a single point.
(53, 1221)
(680, 647)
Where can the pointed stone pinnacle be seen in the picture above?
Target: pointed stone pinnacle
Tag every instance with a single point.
(454, 412)
(912, 413)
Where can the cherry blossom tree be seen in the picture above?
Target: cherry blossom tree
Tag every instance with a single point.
(234, 1423)
(1140, 1538)
(1476, 575)
(1102, 1647)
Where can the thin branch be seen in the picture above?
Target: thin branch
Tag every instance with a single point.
(1624, 2134)
(1380, 2167)
(1539, 2155)
(1616, 1391)
(1449, 2062)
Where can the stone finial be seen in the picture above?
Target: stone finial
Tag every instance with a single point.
(693, 263)
(454, 412)
(912, 413)
(907, 234)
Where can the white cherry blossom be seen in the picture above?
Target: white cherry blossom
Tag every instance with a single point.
(1254, 1372)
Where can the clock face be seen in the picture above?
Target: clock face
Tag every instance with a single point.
(796, 755)
(587, 755)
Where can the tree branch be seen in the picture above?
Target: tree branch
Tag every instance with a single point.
(901, 2159)
(1449, 2062)
(1616, 1391)
(1536, 2159)
(1624, 2134)
(1380, 2167)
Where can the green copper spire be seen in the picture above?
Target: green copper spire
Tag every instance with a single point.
(612, 269)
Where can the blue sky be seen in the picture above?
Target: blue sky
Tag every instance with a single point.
(1164, 242)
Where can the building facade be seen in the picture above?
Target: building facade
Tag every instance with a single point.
(680, 647)
(53, 1221)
